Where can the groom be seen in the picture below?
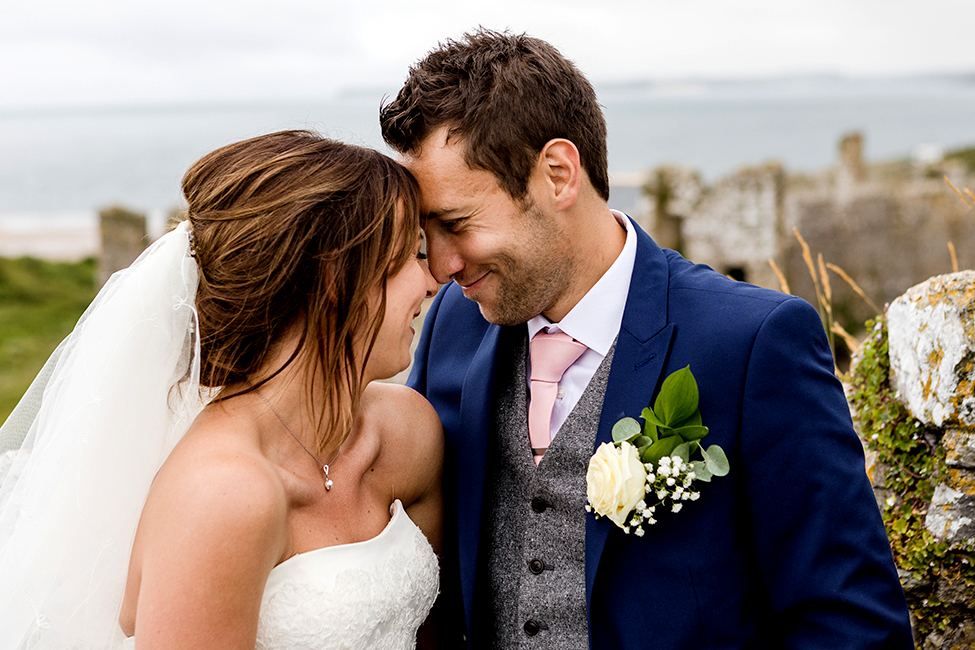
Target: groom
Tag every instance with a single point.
(508, 143)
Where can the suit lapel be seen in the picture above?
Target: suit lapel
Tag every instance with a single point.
(475, 413)
(641, 352)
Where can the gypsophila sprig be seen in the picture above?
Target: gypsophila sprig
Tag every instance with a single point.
(654, 460)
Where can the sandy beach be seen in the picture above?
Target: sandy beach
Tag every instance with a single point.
(58, 241)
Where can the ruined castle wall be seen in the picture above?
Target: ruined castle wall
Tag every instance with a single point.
(737, 225)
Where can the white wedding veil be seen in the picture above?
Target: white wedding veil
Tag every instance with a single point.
(93, 429)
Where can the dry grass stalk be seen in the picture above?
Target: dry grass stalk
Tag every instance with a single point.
(853, 285)
(851, 343)
(824, 294)
(954, 258)
(783, 283)
(827, 291)
(821, 282)
(970, 204)
(826, 301)
(807, 258)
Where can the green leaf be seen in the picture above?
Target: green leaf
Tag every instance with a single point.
(650, 416)
(717, 461)
(700, 469)
(693, 420)
(691, 432)
(661, 448)
(626, 429)
(642, 441)
(666, 432)
(650, 430)
(678, 397)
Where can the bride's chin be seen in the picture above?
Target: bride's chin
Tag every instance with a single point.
(390, 371)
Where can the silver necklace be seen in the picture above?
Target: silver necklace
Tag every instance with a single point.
(328, 481)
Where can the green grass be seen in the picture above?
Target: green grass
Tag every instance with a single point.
(39, 304)
(966, 156)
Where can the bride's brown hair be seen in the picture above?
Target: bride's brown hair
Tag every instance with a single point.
(292, 229)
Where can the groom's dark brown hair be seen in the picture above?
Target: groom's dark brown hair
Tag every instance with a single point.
(504, 96)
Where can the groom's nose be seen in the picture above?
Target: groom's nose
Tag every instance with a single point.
(443, 256)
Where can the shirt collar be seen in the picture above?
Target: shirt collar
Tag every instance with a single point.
(596, 318)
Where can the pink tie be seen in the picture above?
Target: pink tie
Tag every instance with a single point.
(551, 354)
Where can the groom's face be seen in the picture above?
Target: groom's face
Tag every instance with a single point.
(508, 256)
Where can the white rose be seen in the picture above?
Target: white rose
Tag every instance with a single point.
(616, 481)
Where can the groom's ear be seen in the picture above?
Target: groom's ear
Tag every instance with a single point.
(560, 172)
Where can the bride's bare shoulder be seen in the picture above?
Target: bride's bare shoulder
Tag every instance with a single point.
(409, 428)
(217, 509)
(402, 414)
(218, 474)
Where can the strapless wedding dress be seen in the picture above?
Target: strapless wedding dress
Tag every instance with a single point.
(367, 595)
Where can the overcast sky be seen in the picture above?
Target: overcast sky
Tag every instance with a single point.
(71, 52)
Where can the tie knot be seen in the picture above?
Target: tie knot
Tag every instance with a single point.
(552, 354)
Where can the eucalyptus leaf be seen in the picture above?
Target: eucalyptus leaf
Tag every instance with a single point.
(716, 460)
(661, 448)
(678, 397)
(700, 469)
(684, 451)
(626, 429)
(691, 432)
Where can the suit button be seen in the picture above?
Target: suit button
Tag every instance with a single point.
(539, 504)
(532, 627)
(536, 566)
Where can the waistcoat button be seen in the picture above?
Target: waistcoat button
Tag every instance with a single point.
(539, 504)
(531, 627)
(536, 566)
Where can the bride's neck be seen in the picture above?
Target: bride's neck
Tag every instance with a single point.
(296, 394)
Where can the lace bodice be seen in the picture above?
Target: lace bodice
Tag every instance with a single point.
(373, 594)
(368, 595)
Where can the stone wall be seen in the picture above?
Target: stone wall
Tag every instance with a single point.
(738, 226)
(888, 225)
(123, 238)
(931, 341)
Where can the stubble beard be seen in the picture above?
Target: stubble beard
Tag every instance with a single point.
(530, 282)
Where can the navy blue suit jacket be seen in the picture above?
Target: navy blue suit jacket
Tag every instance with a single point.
(788, 550)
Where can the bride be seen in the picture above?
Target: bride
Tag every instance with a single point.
(211, 464)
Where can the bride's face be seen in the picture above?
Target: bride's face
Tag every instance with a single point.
(405, 293)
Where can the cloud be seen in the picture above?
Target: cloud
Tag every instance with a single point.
(112, 51)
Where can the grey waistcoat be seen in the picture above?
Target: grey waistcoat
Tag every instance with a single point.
(535, 533)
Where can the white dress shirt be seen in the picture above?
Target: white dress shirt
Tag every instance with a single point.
(594, 321)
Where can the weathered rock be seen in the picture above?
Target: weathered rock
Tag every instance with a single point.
(955, 592)
(959, 445)
(951, 516)
(960, 638)
(934, 641)
(932, 349)
(913, 587)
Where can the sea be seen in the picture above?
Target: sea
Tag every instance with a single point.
(59, 166)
